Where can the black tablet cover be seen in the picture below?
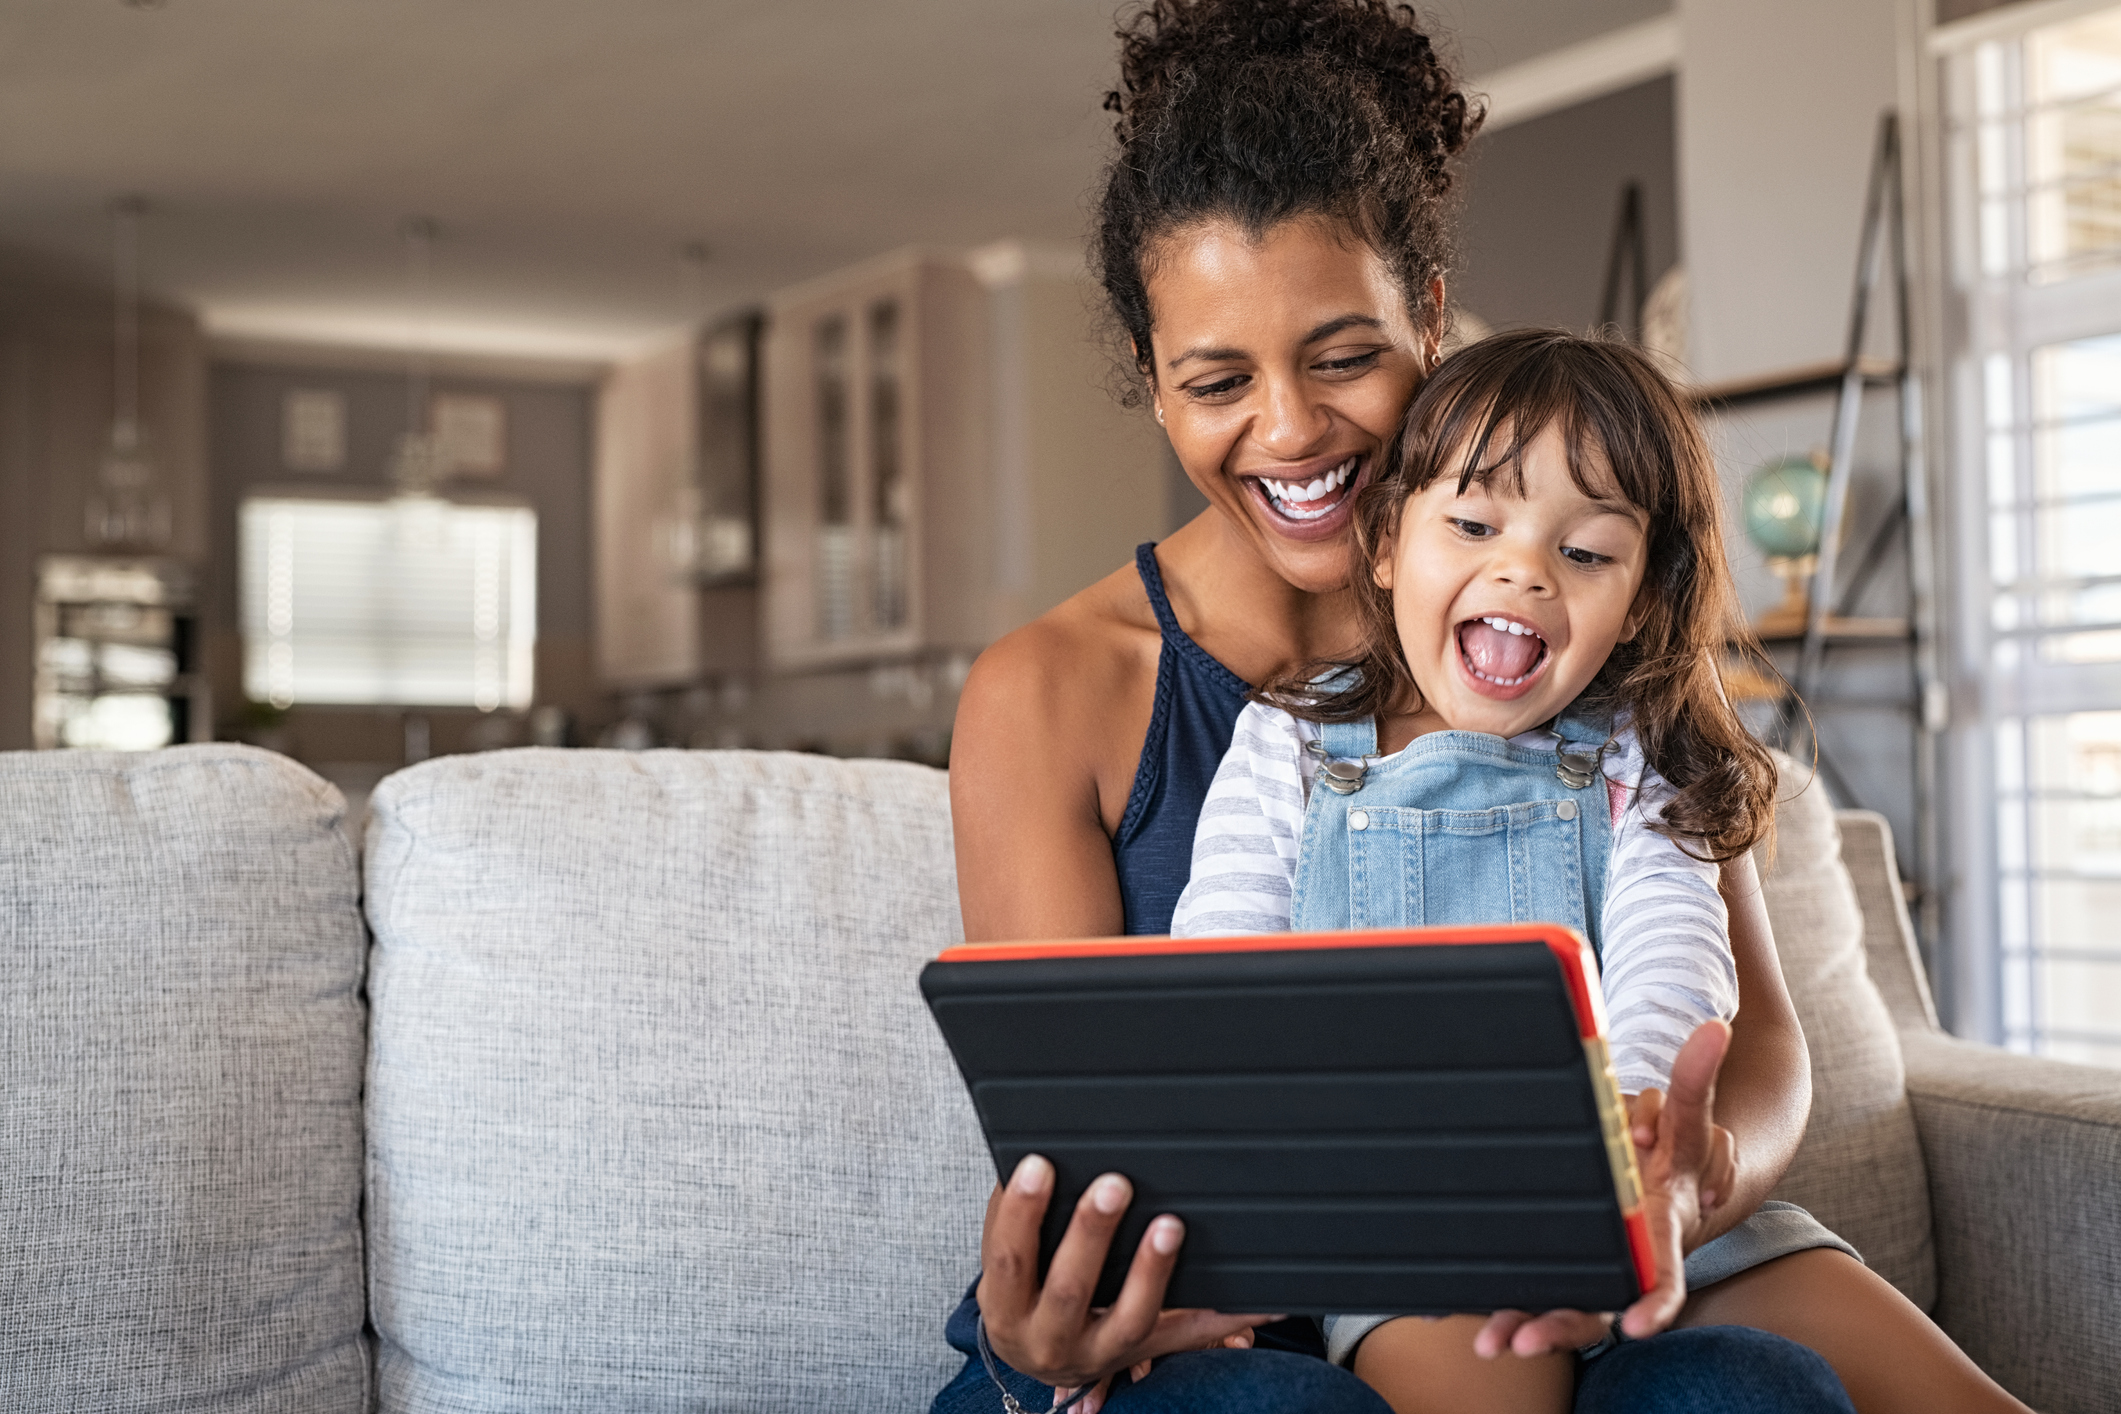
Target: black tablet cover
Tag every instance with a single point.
(1397, 1121)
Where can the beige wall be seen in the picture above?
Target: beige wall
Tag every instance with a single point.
(1080, 480)
(1778, 114)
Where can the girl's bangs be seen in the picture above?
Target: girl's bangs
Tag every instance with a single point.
(1516, 402)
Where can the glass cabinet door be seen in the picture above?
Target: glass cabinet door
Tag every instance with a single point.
(835, 483)
(887, 473)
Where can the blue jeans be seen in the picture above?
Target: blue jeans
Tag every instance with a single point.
(1706, 1370)
(1711, 1370)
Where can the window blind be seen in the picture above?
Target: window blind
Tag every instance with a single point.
(409, 602)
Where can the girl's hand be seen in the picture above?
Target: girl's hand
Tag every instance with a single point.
(1685, 1158)
(1050, 1332)
(1718, 1176)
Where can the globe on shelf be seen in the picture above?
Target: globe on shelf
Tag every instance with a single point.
(1784, 507)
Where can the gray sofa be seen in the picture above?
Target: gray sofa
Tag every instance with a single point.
(600, 1082)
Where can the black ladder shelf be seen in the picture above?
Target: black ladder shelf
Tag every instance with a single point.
(1838, 582)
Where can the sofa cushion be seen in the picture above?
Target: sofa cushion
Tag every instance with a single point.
(1860, 1168)
(181, 1031)
(657, 1118)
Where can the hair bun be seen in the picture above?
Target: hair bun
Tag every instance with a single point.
(1186, 41)
(1255, 111)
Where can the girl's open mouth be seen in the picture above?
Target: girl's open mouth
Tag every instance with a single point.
(1501, 653)
(1317, 507)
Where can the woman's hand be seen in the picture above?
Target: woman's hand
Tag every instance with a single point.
(1689, 1166)
(1050, 1332)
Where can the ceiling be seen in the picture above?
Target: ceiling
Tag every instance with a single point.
(568, 149)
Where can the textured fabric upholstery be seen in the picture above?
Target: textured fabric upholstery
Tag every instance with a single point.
(1859, 1169)
(1894, 962)
(2025, 1179)
(181, 1033)
(657, 1118)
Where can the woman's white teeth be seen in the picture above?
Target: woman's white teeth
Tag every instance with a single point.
(1290, 494)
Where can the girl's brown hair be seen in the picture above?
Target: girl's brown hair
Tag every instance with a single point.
(1611, 403)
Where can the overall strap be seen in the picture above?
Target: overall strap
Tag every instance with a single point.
(1584, 725)
(1349, 740)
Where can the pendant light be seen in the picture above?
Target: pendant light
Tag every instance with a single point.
(417, 464)
(683, 530)
(129, 510)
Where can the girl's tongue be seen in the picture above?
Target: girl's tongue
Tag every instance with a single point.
(1496, 653)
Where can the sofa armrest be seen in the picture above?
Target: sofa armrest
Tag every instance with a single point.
(2023, 1156)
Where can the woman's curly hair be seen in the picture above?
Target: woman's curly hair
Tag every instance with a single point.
(1625, 428)
(1255, 111)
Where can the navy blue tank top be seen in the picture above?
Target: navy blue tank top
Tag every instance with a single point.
(1197, 702)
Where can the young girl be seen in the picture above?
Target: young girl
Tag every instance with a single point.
(1535, 731)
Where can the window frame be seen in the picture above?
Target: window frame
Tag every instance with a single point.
(1999, 318)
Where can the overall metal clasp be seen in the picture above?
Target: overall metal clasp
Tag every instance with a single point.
(1575, 769)
(1340, 774)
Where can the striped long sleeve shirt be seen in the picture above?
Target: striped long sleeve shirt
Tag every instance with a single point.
(1666, 966)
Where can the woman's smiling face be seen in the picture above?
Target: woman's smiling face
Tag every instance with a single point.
(1509, 600)
(1280, 368)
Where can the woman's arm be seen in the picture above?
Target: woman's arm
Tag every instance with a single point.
(1764, 1092)
(1026, 803)
(1040, 763)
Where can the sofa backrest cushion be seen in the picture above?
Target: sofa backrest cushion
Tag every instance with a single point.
(181, 1036)
(1860, 1168)
(1890, 950)
(657, 1118)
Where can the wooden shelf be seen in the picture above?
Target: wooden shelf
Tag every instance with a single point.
(1840, 630)
(1791, 382)
(1746, 682)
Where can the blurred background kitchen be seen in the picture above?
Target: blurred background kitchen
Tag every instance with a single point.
(386, 380)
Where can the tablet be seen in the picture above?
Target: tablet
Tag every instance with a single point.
(1403, 1121)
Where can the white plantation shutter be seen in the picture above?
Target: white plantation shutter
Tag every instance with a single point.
(2033, 140)
(412, 602)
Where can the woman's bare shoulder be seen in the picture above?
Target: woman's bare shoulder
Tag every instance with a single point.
(1083, 652)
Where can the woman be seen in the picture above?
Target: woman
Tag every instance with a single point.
(1273, 236)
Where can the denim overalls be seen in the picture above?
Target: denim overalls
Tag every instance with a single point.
(1372, 857)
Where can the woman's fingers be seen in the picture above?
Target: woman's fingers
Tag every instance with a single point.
(1044, 1329)
(1008, 1286)
(1071, 1278)
(1136, 1328)
(1134, 1317)
(1059, 1338)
